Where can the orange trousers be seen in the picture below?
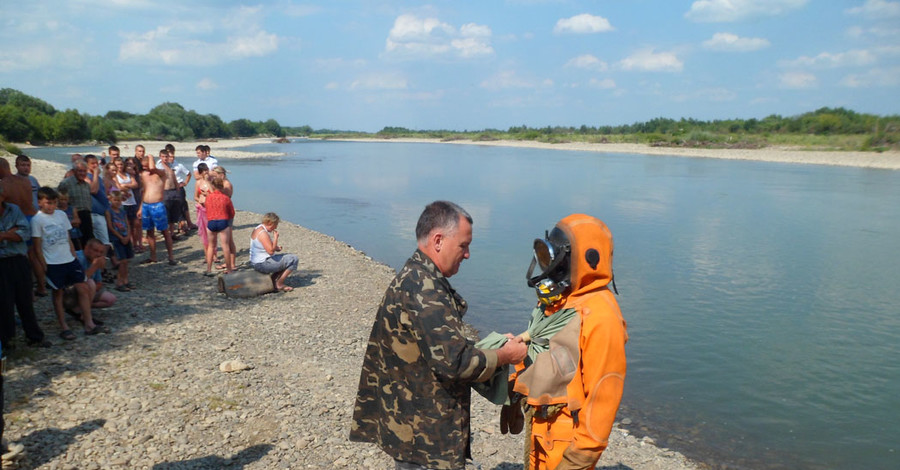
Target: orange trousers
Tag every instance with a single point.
(549, 439)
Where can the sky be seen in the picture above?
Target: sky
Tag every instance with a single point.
(458, 65)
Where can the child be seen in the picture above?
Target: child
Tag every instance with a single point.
(50, 232)
(220, 211)
(117, 221)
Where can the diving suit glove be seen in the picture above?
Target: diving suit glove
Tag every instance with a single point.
(512, 419)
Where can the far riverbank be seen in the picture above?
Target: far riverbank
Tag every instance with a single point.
(889, 160)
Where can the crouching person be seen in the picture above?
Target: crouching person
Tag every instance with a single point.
(263, 248)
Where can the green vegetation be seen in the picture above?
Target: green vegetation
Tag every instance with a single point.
(24, 118)
(823, 129)
(27, 119)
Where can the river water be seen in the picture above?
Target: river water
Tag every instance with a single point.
(762, 299)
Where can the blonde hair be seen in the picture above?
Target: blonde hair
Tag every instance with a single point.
(271, 218)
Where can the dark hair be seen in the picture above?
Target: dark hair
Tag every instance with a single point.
(202, 167)
(113, 147)
(440, 214)
(199, 147)
(46, 192)
(22, 158)
(170, 148)
(90, 156)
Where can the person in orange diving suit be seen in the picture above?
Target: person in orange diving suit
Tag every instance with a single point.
(572, 390)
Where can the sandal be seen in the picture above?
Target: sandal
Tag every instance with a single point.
(67, 335)
(123, 288)
(96, 329)
(148, 261)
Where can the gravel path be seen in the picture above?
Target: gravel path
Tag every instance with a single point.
(150, 395)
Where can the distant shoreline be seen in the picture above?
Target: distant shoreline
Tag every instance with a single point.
(223, 148)
(889, 160)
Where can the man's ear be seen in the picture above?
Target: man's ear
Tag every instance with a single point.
(437, 239)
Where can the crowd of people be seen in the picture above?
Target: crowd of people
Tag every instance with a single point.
(74, 239)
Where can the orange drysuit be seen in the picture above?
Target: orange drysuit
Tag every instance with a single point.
(576, 386)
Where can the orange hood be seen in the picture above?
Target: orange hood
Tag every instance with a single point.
(590, 265)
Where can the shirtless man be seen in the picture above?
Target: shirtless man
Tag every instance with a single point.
(182, 177)
(153, 211)
(17, 189)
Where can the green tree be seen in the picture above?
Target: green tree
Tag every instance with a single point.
(242, 128)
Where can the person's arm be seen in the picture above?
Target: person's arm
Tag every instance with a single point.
(76, 221)
(39, 251)
(95, 264)
(95, 180)
(187, 178)
(260, 234)
(20, 230)
(229, 208)
(197, 192)
(442, 342)
(275, 245)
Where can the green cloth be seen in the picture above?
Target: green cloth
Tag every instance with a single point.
(496, 389)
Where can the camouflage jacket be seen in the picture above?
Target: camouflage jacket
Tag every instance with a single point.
(414, 389)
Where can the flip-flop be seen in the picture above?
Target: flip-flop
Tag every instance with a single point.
(148, 261)
(123, 288)
(172, 262)
(67, 335)
(210, 274)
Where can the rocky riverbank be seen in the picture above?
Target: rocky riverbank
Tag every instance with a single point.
(150, 395)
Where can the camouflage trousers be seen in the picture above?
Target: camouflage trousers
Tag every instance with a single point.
(470, 465)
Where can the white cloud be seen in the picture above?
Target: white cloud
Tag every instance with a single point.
(587, 61)
(415, 37)
(605, 84)
(650, 61)
(878, 31)
(889, 77)
(583, 24)
(207, 84)
(722, 11)
(854, 58)
(877, 10)
(733, 43)
(238, 35)
(507, 79)
(797, 80)
(380, 81)
(332, 86)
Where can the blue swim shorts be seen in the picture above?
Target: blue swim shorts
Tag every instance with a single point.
(154, 215)
(60, 276)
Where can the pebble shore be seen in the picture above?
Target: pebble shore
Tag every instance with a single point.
(151, 395)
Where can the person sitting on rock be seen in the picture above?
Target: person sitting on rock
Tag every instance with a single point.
(263, 248)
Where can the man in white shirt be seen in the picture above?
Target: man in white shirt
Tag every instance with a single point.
(203, 156)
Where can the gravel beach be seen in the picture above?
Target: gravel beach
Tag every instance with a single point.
(150, 395)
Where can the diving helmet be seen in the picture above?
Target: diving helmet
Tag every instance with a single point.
(551, 256)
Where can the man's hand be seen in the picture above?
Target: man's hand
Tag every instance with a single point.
(512, 352)
(98, 262)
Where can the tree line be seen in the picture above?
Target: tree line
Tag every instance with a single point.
(24, 118)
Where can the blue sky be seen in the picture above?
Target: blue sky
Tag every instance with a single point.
(367, 64)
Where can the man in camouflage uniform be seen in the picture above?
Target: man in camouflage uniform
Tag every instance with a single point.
(414, 389)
